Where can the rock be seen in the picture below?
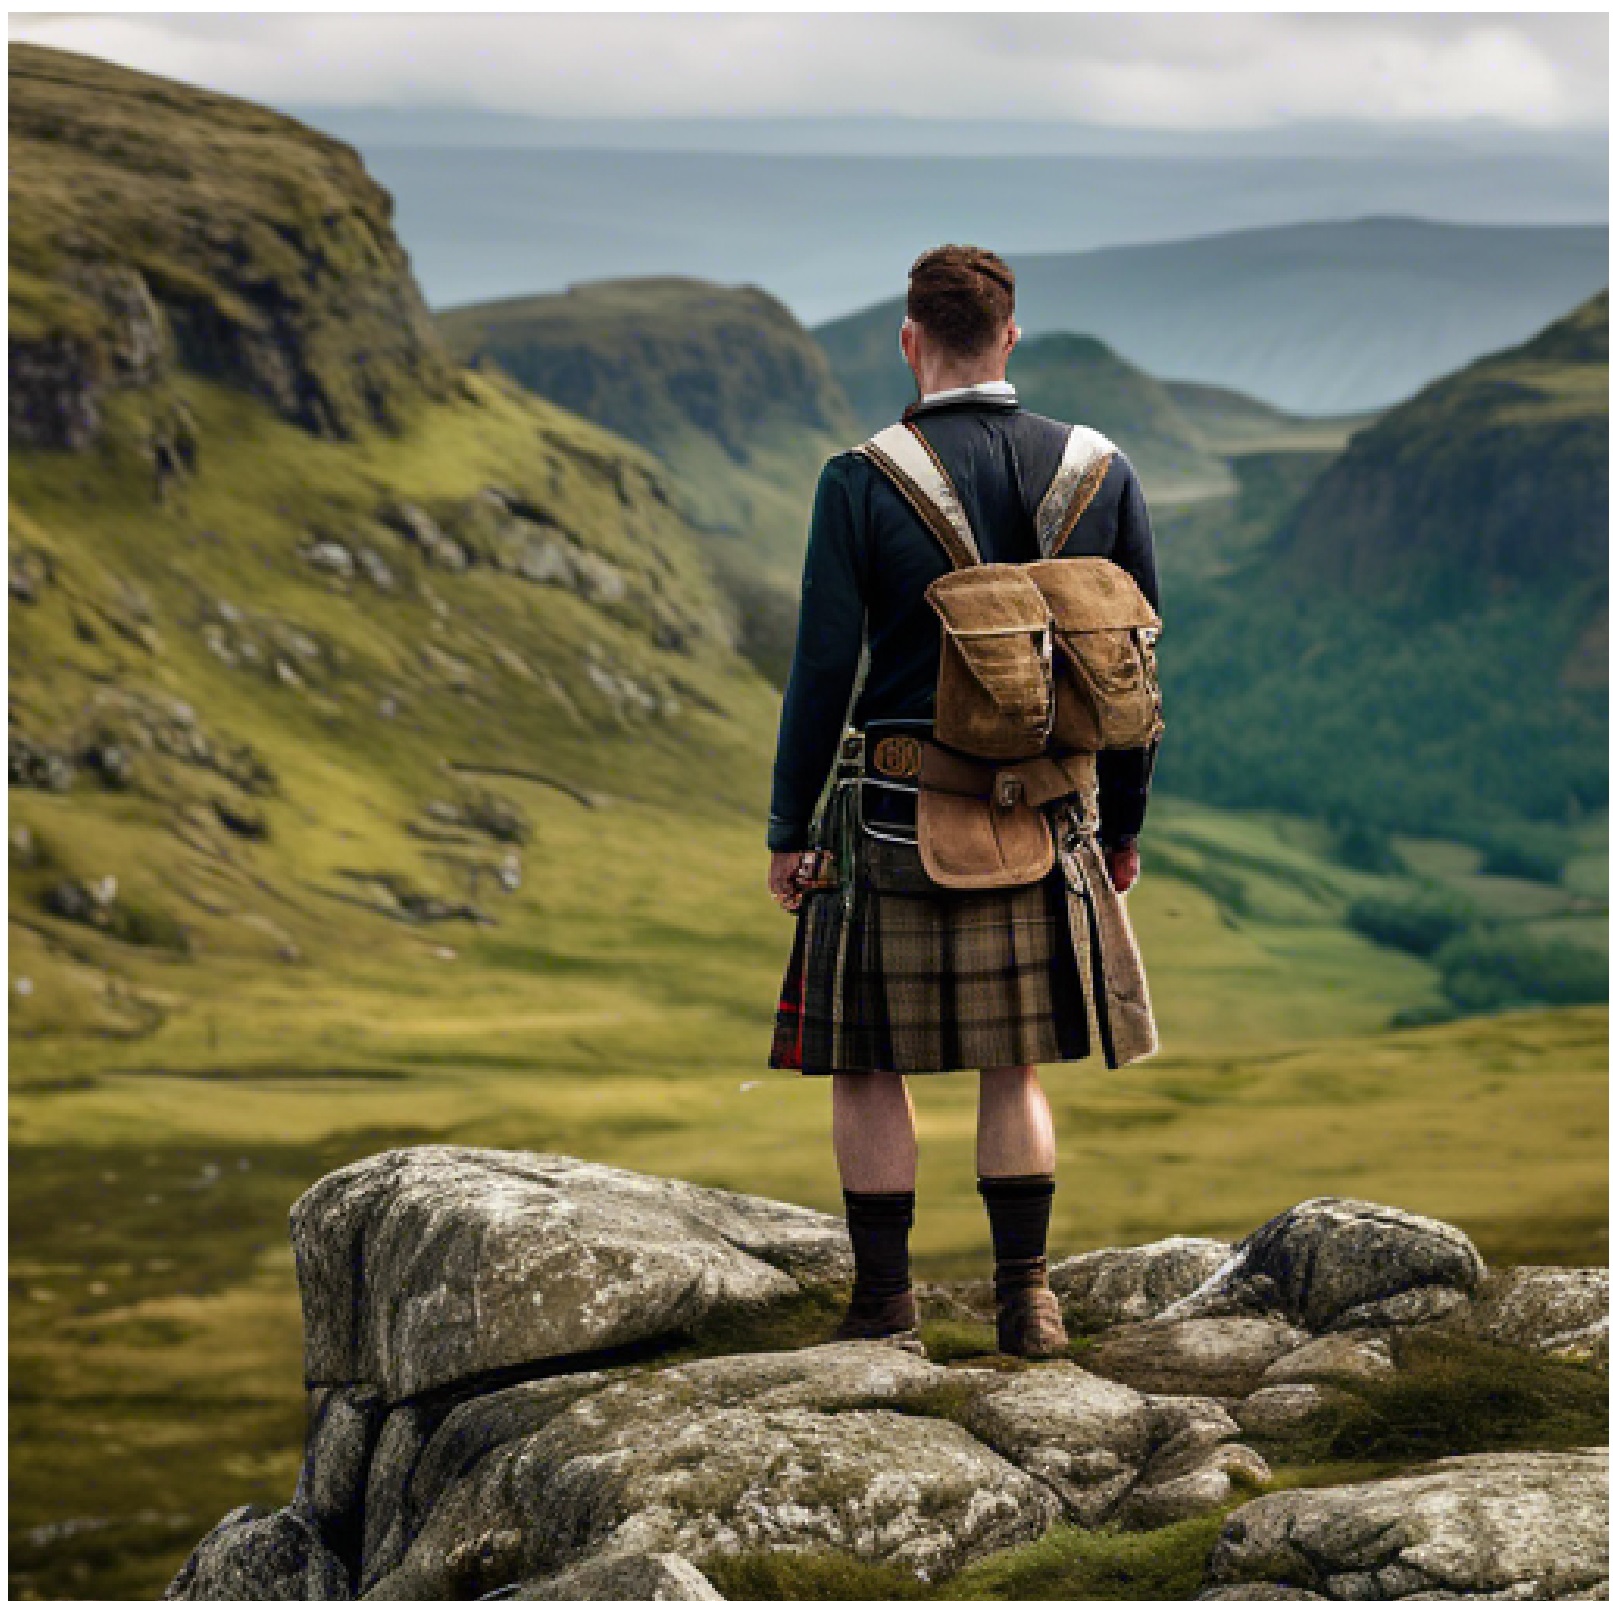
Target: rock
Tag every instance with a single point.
(253, 1555)
(417, 526)
(1559, 1310)
(1122, 1284)
(1258, 1592)
(344, 1424)
(1105, 1450)
(30, 572)
(427, 1447)
(1333, 1356)
(1213, 1356)
(1528, 1526)
(421, 1267)
(374, 567)
(1335, 1263)
(330, 557)
(1277, 1409)
(635, 1577)
(799, 1450)
(31, 764)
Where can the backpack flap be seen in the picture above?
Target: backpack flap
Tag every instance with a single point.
(994, 697)
(1106, 693)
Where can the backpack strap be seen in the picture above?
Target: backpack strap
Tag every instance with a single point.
(1087, 455)
(904, 455)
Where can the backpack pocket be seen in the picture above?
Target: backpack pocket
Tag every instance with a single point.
(1106, 693)
(994, 697)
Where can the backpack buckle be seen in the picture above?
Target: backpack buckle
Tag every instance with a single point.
(1007, 791)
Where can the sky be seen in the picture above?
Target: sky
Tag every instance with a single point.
(1192, 70)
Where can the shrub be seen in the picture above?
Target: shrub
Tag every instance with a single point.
(1489, 970)
(1418, 923)
(1523, 852)
(1365, 847)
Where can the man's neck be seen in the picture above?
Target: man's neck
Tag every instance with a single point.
(943, 381)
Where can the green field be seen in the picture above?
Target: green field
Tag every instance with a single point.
(620, 1010)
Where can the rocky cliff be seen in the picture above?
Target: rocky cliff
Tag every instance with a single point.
(155, 226)
(541, 1378)
(1489, 483)
(723, 384)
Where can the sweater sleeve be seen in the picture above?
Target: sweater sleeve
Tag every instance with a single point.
(1124, 775)
(823, 671)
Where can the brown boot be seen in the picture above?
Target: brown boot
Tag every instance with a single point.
(1029, 1320)
(882, 1317)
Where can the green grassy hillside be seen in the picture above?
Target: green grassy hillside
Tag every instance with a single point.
(1408, 636)
(722, 384)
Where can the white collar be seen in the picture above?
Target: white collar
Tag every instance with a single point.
(991, 386)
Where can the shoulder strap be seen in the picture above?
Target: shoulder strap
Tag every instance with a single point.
(904, 455)
(1087, 455)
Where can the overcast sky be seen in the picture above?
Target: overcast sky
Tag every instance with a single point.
(1190, 70)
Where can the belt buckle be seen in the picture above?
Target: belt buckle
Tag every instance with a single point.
(897, 756)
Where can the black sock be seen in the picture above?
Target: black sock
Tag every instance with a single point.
(878, 1222)
(1019, 1209)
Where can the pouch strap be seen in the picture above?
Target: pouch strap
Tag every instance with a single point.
(1087, 455)
(904, 455)
(1034, 783)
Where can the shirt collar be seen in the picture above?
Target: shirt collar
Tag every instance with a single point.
(995, 391)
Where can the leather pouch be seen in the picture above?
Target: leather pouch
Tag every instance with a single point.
(979, 828)
(1106, 685)
(994, 696)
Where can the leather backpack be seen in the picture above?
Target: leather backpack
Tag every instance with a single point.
(1055, 654)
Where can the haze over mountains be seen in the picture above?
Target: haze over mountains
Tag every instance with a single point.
(829, 234)
(1316, 317)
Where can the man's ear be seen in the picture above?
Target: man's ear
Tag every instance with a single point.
(1015, 334)
(909, 343)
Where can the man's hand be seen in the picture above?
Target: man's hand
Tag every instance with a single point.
(782, 878)
(1124, 863)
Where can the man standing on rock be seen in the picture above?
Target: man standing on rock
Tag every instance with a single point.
(890, 973)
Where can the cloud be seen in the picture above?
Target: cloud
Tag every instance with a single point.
(1191, 70)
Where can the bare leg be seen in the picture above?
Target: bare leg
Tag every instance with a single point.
(1014, 1133)
(875, 1142)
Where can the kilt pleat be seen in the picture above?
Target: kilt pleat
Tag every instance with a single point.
(933, 983)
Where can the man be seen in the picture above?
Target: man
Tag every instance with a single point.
(983, 980)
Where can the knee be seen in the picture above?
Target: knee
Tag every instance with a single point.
(1007, 1082)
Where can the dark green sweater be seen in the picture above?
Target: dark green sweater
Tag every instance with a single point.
(869, 560)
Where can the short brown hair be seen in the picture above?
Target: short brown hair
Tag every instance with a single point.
(962, 296)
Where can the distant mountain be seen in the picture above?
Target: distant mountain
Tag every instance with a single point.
(722, 383)
(1321, 317)
(1492, 480)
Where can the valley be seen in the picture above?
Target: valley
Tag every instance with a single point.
(389, 749)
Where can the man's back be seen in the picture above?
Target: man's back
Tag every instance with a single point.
(870, 560)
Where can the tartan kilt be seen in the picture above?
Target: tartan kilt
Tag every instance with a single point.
(946, 982)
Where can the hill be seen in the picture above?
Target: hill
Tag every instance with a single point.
(1177, 434)
(1415, 637)
(721, 383)
(1490, 481)
(1317, 317)
(291, 597)
(157, 228)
